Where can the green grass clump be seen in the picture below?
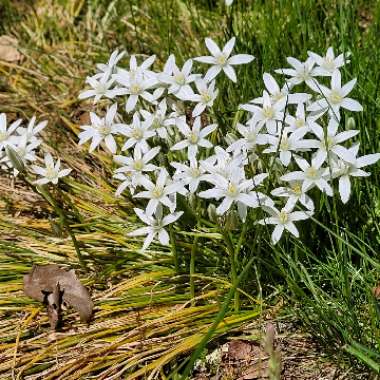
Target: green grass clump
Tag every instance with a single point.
(328, 279)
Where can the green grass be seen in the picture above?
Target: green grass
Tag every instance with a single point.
(327, 279)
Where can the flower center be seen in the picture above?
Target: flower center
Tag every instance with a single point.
(101, 89)
(335, 97)
(157, 192)
(137, 134)
(232, 190)
(297, 188)
(328, 64)
(299, 123)
(205, 97)
(180, 79)
(195, 172)
(193, 138)
(251, 138)
(157, 123)
(328, 143)
(221, 59)
(135, 89)
(312, 173)
(283, 217)
(138, 165)
(50, 172)
(304, 74)
(21, 151)
(284, 143)
(104, 129)
(277, 96)
(3, 136)
(268, 112)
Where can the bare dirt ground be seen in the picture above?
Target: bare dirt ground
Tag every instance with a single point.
(301, 358)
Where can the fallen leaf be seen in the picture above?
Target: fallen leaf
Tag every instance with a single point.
(239, 350)
(54, 302)
(8, 49)
(56, 287)
(257, 371)
(376, 292)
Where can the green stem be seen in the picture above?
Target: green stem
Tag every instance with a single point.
(218, 319)
(46, 194)
(174, 249)
(192, 270)
(233, 273)
(50, 199)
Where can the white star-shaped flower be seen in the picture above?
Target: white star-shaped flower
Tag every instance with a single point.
(221, 60)
(51, 172)
(234, 189)
(155, 226)
(301, 119)
(344, 170)
(279, 94)
(33, 129)
(137, 165)
(101, 86)
(158, 193)
(194, 137)
(335, 98)
(205, 97)
(137, 133)
(191, 175)
(310, 175)
(330, 142)
(294, 194)
(101, 129)
(251, 137)
(287, 145)
(328, 63)
(269, 114)
(283, 220)
(158, 120)
(178, 80)
(301, 71)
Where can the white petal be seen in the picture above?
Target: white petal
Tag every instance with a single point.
(230, 72)
(277, 232)
(212, 72)
(227, 50)
(344, 188)
(292, 229)
(163, 237)
(224, 206)
(369, 159)
(240, 59)
(271, 84)
(111, 144)
(212, 47)
(351, 105)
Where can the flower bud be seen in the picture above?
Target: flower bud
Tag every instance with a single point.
(15, 159)
(232, 221)
(350, 123)
(193, 201)
(211, 211)
(230, 138)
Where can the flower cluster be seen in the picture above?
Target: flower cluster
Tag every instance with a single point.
(18, 147)
(157, 126)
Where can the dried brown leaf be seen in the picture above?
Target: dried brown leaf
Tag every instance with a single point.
(56, 286)
(8, 49)
(239, 350)
(376, 291)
